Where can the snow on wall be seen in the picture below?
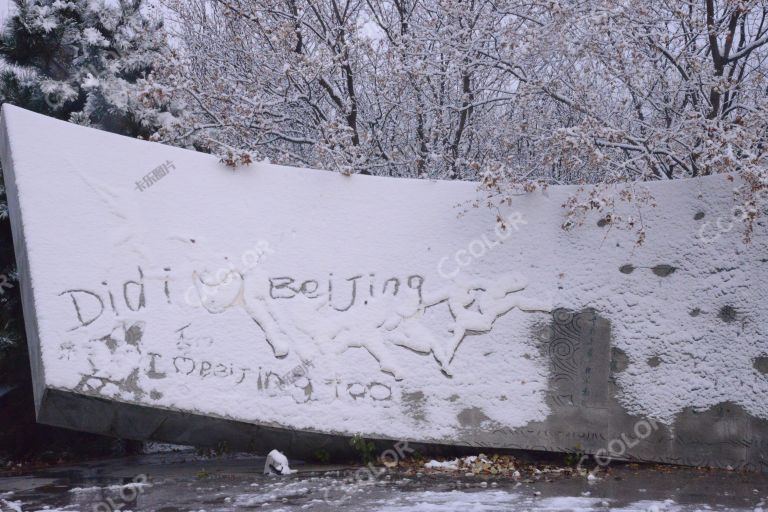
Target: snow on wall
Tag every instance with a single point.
(315, 301)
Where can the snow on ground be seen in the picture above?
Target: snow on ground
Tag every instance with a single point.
(231, 484)
(153, 447)
(488, 501)
(14, 506)
(446, 464)
(85, 489)
(295, 496)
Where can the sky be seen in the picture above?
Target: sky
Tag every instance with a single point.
(4, 6)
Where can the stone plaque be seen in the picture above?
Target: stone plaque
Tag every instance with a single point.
(169, 297)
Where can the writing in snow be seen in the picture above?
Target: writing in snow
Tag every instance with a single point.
(341, 293)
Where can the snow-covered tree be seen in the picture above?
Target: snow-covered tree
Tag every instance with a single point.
(389, 88)
(514, 93)
(617, 91)
(86, 61)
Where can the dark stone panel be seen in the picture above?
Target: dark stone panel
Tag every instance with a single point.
(587, 417)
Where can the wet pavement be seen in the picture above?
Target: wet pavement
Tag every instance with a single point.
(186, 482)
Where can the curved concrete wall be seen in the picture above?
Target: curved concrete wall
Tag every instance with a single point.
(169, 297)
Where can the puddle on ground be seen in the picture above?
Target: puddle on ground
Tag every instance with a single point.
(178, 482)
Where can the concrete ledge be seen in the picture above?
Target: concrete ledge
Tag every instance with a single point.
(168, 297)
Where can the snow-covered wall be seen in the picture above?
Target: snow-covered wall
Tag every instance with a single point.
(159, 284)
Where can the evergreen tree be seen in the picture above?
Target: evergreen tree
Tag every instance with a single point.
(84, 61)
(90, 63)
